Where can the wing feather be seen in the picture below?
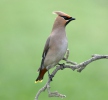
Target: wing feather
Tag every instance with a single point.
(46, 48)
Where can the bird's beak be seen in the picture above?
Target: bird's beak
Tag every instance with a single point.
(69, 20)
(72, 19)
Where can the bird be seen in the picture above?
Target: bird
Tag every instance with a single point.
(56, 44)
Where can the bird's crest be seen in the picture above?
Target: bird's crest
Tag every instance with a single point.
(60, 13)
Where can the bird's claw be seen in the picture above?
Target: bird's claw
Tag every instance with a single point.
(62, 66)
(50, 77)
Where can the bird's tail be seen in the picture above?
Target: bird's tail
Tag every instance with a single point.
(41, 75)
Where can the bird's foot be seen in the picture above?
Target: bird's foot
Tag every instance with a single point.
(62, 66)
(50, 76)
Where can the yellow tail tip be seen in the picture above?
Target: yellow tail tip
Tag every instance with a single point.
(38, 81)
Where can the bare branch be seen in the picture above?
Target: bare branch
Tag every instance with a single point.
(73, 66)
(66, 58)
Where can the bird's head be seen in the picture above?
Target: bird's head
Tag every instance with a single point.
(63, 18)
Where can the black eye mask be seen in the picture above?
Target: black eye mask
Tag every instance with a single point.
(66, 18)
(69, 19)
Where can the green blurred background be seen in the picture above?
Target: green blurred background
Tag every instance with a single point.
(24, 27)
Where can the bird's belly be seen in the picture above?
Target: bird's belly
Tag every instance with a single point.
(55, 54)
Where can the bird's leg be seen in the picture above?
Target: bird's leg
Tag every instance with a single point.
(50, 76)
(62, 66)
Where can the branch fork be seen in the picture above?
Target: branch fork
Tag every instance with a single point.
(72, 65)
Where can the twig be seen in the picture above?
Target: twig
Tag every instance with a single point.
(72, 66)
(66, 58)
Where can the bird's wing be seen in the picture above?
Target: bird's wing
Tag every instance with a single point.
(46, 48)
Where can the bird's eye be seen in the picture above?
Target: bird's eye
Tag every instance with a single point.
(66, 18)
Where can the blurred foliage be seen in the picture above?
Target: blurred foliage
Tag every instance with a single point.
(24, 27)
